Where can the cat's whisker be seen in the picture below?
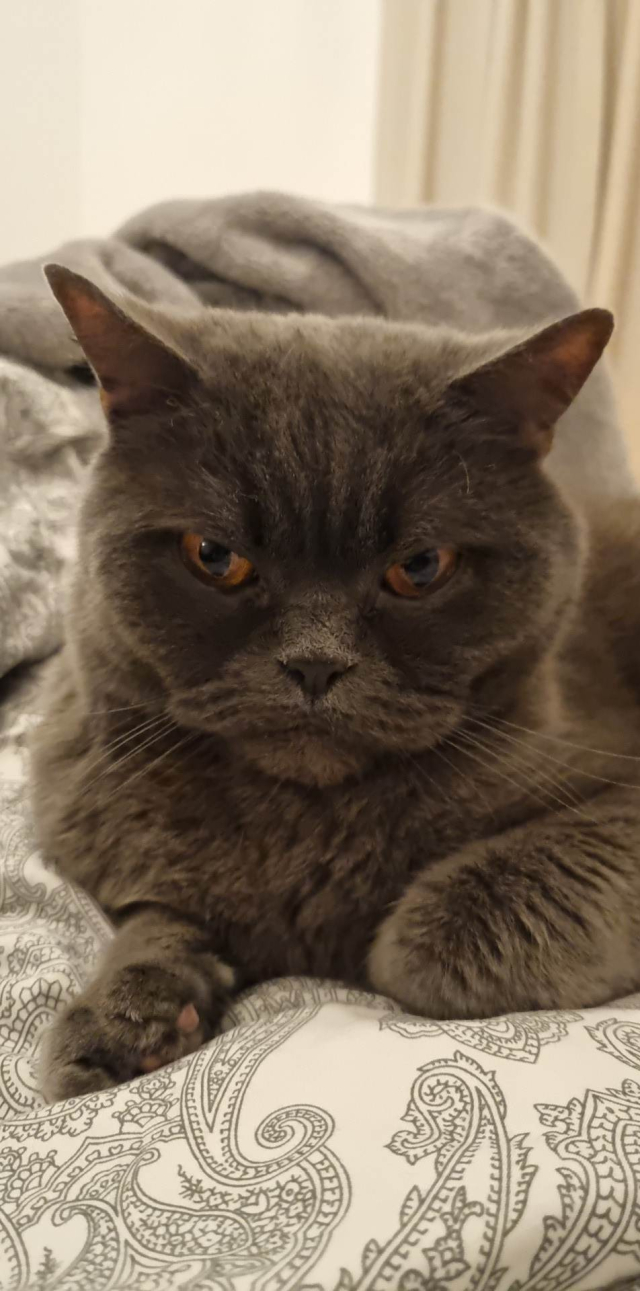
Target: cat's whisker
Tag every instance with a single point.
(552, 785)
(527, 760)
(120, 788)
(128, 708)
(463, 774)
(522, 786)
(408, 757)
(549, 757)
(219, 716)
(463, 745)
(211, 702)
(100, 712)
(113, 766)
(212, 691)
(558, 739)
(122, 740)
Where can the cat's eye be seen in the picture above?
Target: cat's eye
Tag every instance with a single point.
(424, 573)
(214, 563)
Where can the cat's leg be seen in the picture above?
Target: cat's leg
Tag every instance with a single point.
(158, 994)
(543, 916)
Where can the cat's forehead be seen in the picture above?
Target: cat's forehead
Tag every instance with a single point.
(325, 436)
(294, 350)
(324, 390)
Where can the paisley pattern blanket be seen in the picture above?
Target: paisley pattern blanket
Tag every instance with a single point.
(324, 1141)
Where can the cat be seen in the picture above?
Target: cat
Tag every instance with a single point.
(349, 686)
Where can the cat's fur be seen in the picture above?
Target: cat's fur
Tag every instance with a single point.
(456, 822)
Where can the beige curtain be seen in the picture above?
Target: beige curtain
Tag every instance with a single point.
(534, 106)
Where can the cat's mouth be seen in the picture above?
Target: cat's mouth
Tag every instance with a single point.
(323, 743)
(308, 757)
(312, 748)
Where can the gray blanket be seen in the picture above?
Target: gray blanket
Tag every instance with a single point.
(470, 269)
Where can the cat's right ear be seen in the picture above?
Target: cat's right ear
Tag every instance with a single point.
(528, 387)
(136, 371)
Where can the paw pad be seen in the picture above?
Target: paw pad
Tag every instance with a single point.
(188, 1020)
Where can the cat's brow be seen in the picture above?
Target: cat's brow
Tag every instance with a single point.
(223, 504)
(203, 515)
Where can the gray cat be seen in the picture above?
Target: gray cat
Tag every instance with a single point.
(349, 687)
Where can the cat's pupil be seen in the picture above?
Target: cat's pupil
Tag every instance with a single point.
(423, 568)
(215, 558)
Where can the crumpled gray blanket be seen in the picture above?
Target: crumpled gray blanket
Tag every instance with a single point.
(469, 268)
(249, 1164)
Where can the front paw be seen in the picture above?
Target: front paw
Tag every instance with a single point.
(463, 942)
(136, 1019)
(441, 954)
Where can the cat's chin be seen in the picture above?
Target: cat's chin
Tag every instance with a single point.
(307, 760)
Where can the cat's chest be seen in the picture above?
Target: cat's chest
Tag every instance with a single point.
(295, 880)
(288, 878)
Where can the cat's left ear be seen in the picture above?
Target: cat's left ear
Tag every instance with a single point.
(136, 370)
(529, 386)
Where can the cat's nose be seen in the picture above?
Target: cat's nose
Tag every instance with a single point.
(315, 676)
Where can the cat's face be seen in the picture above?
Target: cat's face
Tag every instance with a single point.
(326, 545)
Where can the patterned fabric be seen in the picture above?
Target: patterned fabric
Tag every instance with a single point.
(325, 1141)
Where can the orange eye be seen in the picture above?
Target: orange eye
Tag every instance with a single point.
(424, 573)
(214, 563)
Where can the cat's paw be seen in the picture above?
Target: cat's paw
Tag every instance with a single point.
(135, 1020)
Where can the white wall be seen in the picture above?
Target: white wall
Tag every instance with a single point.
(39, 124)
(115, 104)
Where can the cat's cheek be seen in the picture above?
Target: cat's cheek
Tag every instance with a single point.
(188, 631)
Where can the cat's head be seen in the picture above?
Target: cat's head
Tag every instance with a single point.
(324, 539)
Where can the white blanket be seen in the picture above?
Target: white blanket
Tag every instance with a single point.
(325, 1141)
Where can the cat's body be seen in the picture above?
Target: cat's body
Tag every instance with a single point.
(452, 816)
(294, 878)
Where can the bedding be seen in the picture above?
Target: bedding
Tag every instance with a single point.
(324, 1141)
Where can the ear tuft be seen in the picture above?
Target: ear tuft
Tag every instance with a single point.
(531, 385)
(137, 371)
